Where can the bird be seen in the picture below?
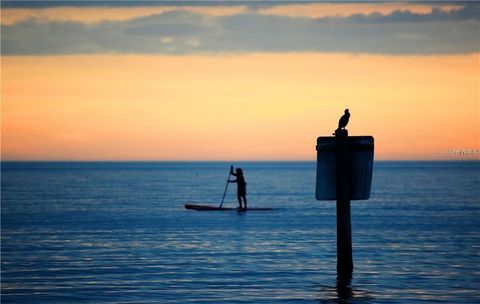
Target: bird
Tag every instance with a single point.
(343, 121)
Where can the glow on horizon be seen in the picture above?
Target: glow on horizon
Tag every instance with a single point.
(234, 107)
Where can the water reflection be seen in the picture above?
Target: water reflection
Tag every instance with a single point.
(343, 292)
(344, 289)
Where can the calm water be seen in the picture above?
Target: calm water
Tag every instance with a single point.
(118, 233)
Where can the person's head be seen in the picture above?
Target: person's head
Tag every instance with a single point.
(346, 111)
(239, 171)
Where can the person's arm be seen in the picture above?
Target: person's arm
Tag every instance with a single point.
(231, 171)
(232, 181)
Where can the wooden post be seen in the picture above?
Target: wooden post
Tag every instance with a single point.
(344, 227)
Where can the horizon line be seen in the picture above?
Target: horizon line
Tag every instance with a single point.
(215, 161)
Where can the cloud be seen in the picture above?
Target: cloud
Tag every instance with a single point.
(467, 12)
(181, 32)
(135, 3)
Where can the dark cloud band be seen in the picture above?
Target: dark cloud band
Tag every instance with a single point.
(180, 32)
(136, 3)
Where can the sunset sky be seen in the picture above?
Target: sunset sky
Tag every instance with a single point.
(243, 80)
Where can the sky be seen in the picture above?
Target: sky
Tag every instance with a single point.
(237, 80)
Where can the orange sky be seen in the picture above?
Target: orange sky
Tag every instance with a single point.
(234, 107)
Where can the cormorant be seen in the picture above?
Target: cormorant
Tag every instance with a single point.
(342, 123)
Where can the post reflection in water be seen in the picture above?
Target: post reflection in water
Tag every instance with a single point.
(344, 289)
(343, 292)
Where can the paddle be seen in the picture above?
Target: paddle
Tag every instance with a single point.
(226, 187)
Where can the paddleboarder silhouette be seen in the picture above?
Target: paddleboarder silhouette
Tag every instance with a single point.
(241, 186)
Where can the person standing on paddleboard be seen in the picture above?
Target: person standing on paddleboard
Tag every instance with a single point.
(241, 186)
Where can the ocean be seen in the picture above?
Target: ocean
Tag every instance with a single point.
(117, 232)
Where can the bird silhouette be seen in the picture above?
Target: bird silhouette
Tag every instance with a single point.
(342, 123)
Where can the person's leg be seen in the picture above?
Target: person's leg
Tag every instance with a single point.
(239, 197)
(245, 201)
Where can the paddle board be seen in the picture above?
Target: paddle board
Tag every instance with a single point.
(215, 208)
